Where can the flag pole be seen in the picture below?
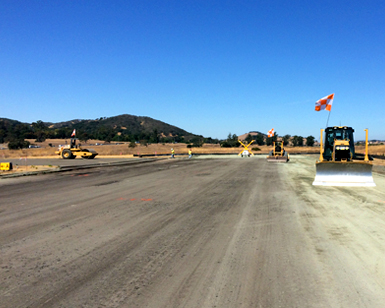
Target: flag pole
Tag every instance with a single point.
(327, 122)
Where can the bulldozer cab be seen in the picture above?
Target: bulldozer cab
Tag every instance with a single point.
(338, 137)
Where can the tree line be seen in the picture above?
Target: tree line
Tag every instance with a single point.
(232, 140)
(14, 133)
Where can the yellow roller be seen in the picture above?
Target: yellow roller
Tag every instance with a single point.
(74, 150)
(278, 154)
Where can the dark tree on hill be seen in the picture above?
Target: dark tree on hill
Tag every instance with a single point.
(300, 141)
(269, 141)
(197, 142)
(40, 130)
(177, 138)
(16, 144)
(260, 139)
(2, 135)
(83, 136)
(143, 142)
(39, 125)
(286, 140)
(40, 136)
(211, 140)
(310, 141)
(294, 141)
(248, 138)
(63, 133)
(297, 141)
(154, 137)
(231, 141)
(105, 133)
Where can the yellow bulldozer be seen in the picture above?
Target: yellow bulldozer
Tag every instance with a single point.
(74, 150)
(278, 153)
(339, 164)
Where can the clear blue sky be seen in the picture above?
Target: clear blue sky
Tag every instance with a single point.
(209, 67)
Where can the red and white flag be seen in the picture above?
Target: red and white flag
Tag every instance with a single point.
(73, 133)
(270, 133)
(324, 103)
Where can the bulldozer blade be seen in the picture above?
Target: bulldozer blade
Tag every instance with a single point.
(343, 174)
(278, 159)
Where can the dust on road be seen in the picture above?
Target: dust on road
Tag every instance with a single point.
(191, 233)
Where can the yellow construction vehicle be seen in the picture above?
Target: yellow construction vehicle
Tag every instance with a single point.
(74, 150)
(278, 153)
(339, 164)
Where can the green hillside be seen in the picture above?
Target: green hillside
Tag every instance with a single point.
(119, 128)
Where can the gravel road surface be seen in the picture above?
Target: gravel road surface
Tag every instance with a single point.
(71, 162)
(228, 232)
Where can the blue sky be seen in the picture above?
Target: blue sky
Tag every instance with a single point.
(209, 67)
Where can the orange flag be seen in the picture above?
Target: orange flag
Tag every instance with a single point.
(73, 133)
(270, 133)
(324, 103)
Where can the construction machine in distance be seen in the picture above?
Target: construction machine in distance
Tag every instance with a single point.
(278, 153)
(339, 164)
(74, 150)
(246, 152)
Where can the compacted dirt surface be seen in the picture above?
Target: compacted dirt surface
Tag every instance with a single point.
(228, 232)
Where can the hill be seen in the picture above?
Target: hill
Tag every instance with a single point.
(119, 128)
(252, 133)
(126, 124)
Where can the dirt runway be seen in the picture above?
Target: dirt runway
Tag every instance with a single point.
(228, 232)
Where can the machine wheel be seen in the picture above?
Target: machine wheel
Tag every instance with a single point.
(67, 154)
(85, 156)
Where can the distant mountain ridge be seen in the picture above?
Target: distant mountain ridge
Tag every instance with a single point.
(125, 122)
(122, 127)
